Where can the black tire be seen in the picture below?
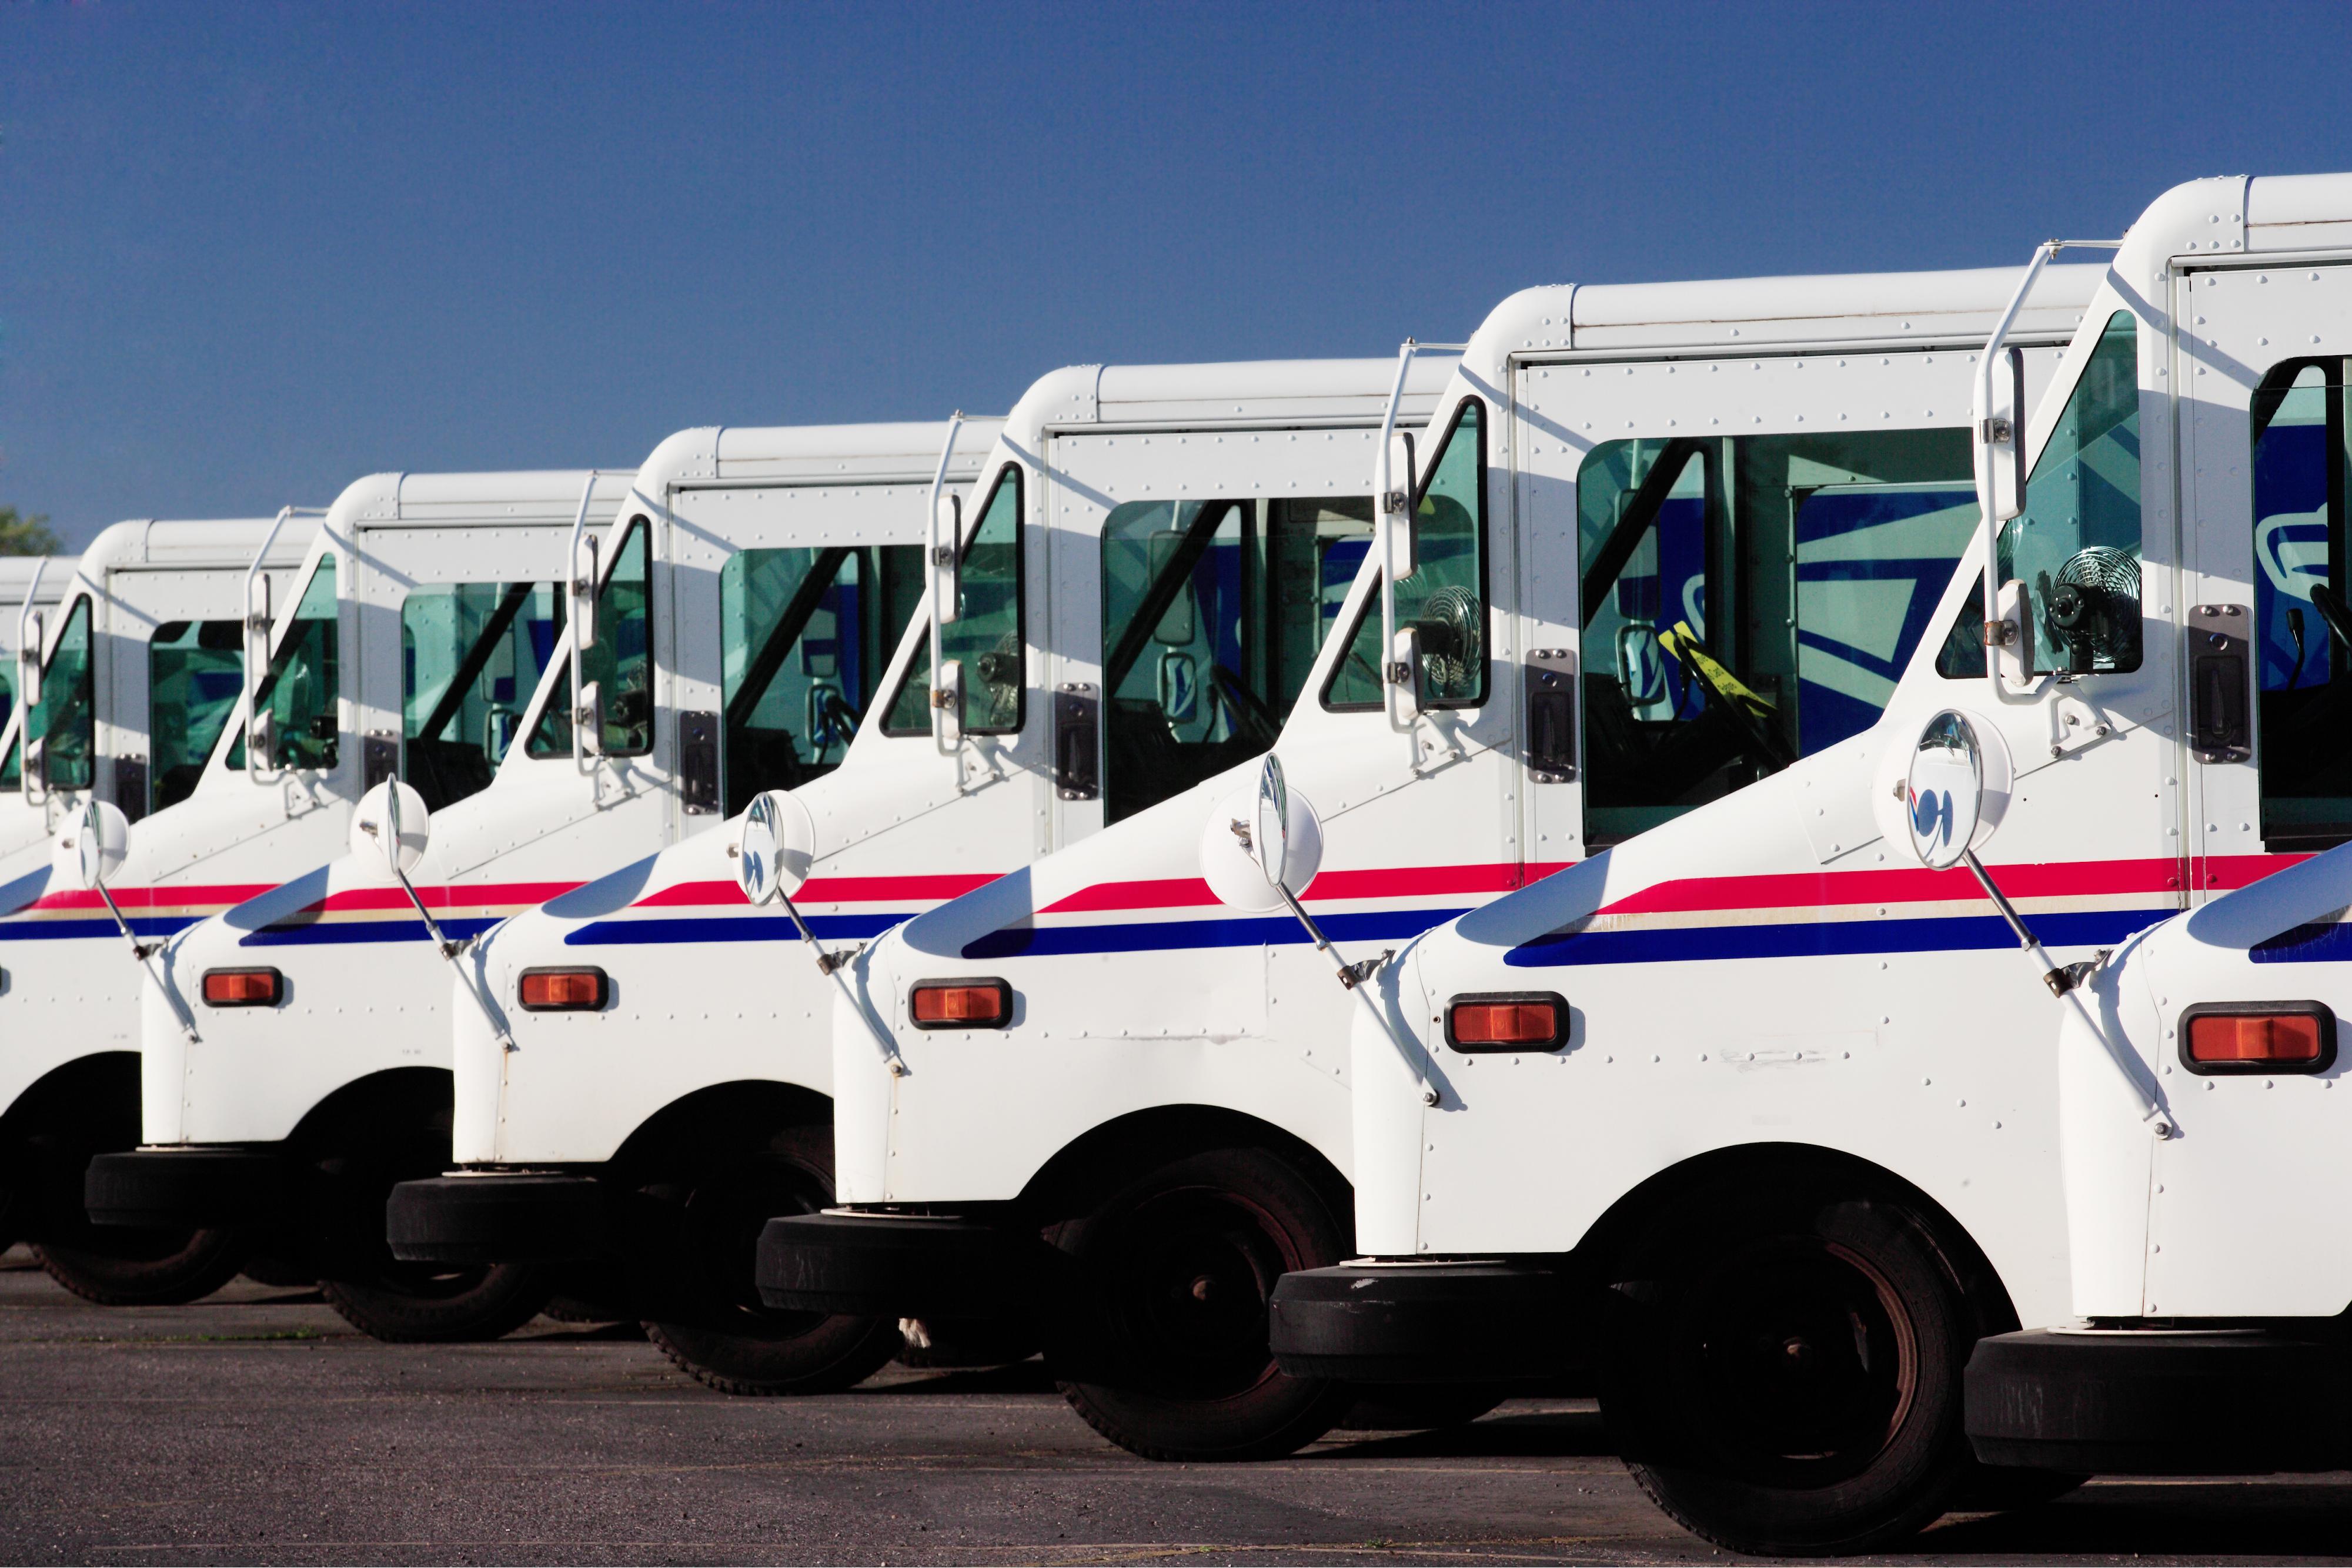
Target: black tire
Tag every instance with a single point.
(1418, 1406)
(1165, 1353)
(122, 1266)
(1783, 1377)
(431, 1303)
(718, 1332)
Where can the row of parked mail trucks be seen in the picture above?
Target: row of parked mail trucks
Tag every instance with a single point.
(1304, 892)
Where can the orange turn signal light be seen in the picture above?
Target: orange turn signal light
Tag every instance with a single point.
(1517, 1020)
(243, 988)
(959, 1004)
(2258, 1037)
(563, 990)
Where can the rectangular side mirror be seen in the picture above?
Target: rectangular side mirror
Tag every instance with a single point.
(588, 718)
(946, 706)
(2001, 441)
(583, 609)
(947, 559)
(1404, 683)
(1396, 507)
(2011, 636)
(29, 663)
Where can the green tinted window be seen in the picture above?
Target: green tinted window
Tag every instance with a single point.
(986, 637)
(621, 664)
(805, 634)
(298, 692)
(1445, 598)
(64, 722)
(470, 657)
(1750, 600)
(195, 673)
(1213, 614)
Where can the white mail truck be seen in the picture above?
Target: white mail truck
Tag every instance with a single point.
(1660, 542)
(126, 669)
(1152, 558)
(726, 622)
(1751, 1112)
(328, 646)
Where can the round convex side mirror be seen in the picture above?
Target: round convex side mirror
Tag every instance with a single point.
(98, 839)
(1943, 796)
(391, 826)
(1259, 839)
(1270, 824)
(774, 847)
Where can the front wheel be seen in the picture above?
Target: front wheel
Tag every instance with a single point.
(1166, 1353)
(425, 1304)
(137, 1267)
(722, 1334)
(1784, 1378)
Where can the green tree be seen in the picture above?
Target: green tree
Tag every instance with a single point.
(20, 535)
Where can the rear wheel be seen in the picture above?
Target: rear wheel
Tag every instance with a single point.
(1166, 1353)
(119, 1265)
(419, 1304)
(720, 1331)
(1785, 1375)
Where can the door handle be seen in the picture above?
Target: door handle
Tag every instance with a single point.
(2219, 672)
(1076, 742)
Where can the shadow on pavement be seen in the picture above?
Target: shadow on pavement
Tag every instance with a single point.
(1534, 1434)
(2264, 1518)
(1022, 1377)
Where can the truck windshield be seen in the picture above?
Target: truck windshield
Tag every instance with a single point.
(470, 657)
(805, 634)
(297, 691)
(195, 673)
(65, 721)
(1749, 600)
(1444, 600)
(987, 636)
(621, 662)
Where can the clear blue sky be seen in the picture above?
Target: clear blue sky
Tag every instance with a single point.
(253, 251)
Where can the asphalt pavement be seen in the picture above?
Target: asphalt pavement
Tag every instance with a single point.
(257, 1427)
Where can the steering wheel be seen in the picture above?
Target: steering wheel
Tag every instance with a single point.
(1761, 745)
(2334, 613)
(1258, 719)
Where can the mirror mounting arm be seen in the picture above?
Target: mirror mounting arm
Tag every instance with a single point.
(831, 965)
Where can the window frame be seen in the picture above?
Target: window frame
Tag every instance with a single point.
(1017, 473)
(1371, 601)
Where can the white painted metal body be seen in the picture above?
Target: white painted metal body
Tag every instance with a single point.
(237, 835)
(899, 827)
(1135, 990)
(2205, 1224)
(1771, 969)
(135, 578)
(367, 991)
